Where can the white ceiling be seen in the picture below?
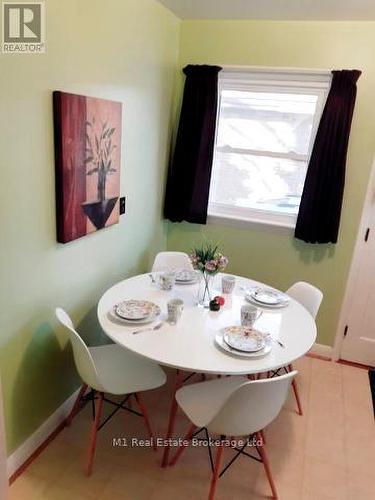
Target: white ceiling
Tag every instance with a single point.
(273, 9)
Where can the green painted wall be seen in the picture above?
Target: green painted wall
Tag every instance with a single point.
(124, 50)
(268, 256)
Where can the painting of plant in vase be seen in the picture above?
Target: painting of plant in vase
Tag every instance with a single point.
(87, 157)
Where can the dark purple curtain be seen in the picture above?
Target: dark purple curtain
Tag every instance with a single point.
(320, 209)
(189, 175)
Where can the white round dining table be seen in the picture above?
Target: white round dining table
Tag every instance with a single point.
(189, 345)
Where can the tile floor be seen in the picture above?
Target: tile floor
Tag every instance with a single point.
(327, 454)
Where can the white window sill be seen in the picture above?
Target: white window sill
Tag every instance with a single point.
(260, 224)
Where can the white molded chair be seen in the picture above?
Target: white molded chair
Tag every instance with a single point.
(171, 260)
(234, 406)
(307, 295)
(310, 298)
(109, 369)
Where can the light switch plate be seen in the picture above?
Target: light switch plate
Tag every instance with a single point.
(122, 205)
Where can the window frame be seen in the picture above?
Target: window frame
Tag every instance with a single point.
(280, 80)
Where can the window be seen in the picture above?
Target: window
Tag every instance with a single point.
(266, 127)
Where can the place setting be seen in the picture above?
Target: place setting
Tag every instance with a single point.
(245, 340)
(266, 297)
(186, 277)
(166, 280)
(134, 312)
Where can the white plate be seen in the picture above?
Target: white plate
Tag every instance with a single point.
(265, 306)
(184, 276)
(244, 338)
(267, 296)
(220, 342)
(113, 317)
(279, 305)
(136, 310)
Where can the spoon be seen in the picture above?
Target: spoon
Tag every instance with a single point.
(150, 329)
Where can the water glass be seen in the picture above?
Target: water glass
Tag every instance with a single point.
(175, 308)
(227, 284)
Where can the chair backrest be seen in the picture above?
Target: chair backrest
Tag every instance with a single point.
(252, 406)
(171, 260)
(82, 357)
(307, 295)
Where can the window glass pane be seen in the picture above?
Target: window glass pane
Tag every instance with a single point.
(266, 121)
(259, 182)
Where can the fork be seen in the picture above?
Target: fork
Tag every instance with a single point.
(277, 340)
(280, 343)
(150, 329)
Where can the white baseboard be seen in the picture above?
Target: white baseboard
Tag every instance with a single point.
(321, 350)
(28, 447)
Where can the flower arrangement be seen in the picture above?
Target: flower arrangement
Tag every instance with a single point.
(209, 261)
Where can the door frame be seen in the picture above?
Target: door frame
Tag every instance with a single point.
(355, 264)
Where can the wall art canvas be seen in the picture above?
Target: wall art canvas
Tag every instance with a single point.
(88, 159)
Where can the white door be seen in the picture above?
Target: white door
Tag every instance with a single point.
(359, 331)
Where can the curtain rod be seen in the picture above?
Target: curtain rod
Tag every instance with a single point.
(275, 69)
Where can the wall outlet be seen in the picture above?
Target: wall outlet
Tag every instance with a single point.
(122, 205)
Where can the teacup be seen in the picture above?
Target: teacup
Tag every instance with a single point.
(175, 308)
(227, 284)
(167, 280)
(249, 315)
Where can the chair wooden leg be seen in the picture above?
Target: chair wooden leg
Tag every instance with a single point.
(92, 398)
(203, 377)
(216, 472)
(266, 464)
(295, 390)
(181, 448)
(262, 436)
(145, 416)
(94, 432)
(74, 410)
(296, 395)
(172, 417)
